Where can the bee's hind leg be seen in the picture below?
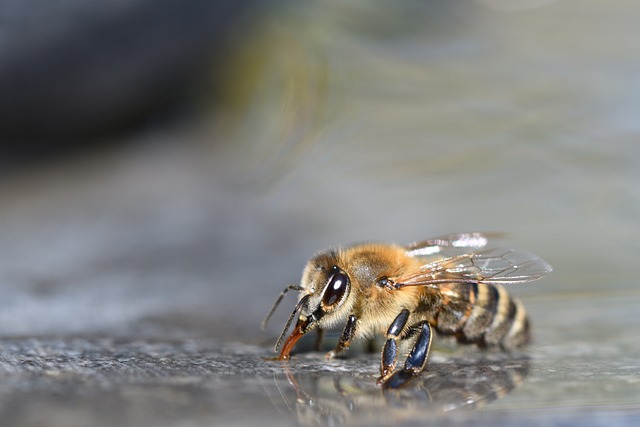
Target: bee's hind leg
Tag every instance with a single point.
(390, 349)
(416, 361)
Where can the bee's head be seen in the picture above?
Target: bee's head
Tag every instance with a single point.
(327, 292)
(325, 299)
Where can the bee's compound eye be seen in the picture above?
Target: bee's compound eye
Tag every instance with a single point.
(336, 288)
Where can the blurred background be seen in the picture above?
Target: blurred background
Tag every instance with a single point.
(168, 167)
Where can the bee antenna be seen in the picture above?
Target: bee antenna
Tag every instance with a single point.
(300, 303)
(282, 294)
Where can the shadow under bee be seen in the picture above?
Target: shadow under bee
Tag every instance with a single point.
(350, 397)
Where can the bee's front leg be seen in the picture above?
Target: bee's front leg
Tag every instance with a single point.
(347, 335)
(417, 359)
(317, 344)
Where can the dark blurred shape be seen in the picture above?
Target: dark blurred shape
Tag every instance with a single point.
(76, 69)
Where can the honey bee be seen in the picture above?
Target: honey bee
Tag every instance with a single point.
(452, 284)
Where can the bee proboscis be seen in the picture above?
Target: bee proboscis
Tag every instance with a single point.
(452, 284)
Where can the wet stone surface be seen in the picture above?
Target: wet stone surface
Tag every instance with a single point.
(106, 381)
(79, 381)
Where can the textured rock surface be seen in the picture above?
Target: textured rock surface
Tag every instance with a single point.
(77, 382)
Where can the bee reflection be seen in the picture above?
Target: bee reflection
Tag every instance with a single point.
(321, 398)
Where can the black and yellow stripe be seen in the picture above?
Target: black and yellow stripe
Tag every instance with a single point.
(485, 315)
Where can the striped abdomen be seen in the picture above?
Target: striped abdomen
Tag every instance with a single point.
(483, 314)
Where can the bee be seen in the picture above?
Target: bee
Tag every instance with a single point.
(451, 284)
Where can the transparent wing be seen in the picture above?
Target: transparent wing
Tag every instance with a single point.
(494, 266)
(449, 242)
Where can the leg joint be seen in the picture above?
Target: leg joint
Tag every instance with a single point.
(398, 324)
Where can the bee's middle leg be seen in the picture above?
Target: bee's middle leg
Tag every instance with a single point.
(347, 335)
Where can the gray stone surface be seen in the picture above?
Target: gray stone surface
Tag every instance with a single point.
(105, 381)
(133, 279)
